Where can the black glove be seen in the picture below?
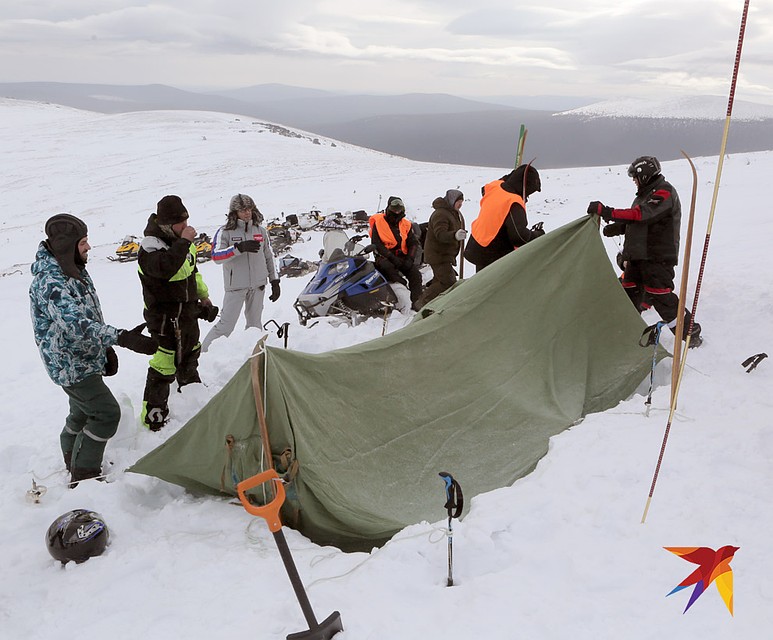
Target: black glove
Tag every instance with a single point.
(111, 366)
(135, 341)
(208, 312)
(596, 208)
(248, 246)
(274, 291)
(537, 231)
(614, 229)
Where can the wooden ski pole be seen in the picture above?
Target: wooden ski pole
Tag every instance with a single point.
(461, 249)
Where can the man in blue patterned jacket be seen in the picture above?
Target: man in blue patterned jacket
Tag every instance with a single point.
(76, 345)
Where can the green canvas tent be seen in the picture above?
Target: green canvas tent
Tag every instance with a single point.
(474, 386)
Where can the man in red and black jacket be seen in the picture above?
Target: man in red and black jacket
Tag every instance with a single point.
(651, 249)
(396, 246)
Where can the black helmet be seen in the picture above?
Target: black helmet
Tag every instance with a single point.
(644, 169)
(77, 535)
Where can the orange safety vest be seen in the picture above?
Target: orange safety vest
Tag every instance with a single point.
(494, 207)
(385, 231)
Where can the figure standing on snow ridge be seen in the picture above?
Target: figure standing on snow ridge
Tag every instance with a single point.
(76, 345)
(175, 298)
(651, 248)
(444, 233)
(396, 247)
(242, 247)
(501, 226)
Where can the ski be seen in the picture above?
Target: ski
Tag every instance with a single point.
(521, 144)
(683, 282)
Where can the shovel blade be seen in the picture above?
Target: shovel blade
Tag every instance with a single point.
(324, 631)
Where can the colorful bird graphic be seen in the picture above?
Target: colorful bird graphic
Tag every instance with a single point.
(712, 566)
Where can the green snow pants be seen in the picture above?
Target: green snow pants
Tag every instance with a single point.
(93, 420)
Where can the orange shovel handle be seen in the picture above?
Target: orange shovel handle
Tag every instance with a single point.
(269, 512)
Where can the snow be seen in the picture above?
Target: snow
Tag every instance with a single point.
(686, 107)
(560, 554)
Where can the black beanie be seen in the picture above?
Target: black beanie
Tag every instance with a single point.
(514, 180)
(63, 233)
(170, 210)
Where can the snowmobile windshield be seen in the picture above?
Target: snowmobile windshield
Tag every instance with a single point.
(337, 254)
(332, 240)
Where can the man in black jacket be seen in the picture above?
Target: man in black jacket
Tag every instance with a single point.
(651, 249)
(396, 247)
(175, 298)
(501, 226)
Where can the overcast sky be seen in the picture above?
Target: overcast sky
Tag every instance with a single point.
(597, 48)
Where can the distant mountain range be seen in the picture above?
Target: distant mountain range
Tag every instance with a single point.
(450, 129)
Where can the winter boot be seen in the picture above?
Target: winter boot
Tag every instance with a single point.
(695, 336)
(154, 417)
(79, 474)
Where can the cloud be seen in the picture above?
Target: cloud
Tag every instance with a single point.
(597, 47)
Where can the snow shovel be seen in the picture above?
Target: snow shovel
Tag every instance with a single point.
(270, 513)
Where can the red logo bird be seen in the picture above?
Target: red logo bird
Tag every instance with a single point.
(713, 566)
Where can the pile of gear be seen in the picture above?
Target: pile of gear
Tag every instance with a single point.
(283, 235)
(288, 231)
(293, 267)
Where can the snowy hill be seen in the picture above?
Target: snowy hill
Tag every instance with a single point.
(447, 129)
(560, 554)
(689, 107)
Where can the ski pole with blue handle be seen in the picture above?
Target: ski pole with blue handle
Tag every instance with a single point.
(454, 505)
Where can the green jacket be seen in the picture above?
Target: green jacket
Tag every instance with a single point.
(441, 245)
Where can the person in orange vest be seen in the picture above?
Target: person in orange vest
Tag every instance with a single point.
(501, 226)
(396, 247)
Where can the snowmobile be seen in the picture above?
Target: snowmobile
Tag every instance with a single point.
(360, 221)
(203, 247)
(292, 267)
(309, 220)
(283, 238)
(128, 250)
(347, 286)
(333, 221)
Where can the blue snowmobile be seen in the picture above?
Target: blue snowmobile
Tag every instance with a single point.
(347, 286)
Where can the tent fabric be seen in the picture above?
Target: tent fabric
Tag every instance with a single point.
(475, 386)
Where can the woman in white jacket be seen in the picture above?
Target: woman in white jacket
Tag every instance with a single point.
(242, 247)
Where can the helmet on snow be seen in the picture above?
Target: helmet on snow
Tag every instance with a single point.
(644, 169)
(77, 536)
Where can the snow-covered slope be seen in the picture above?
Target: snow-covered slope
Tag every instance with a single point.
(561, 554)
(689, 107)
